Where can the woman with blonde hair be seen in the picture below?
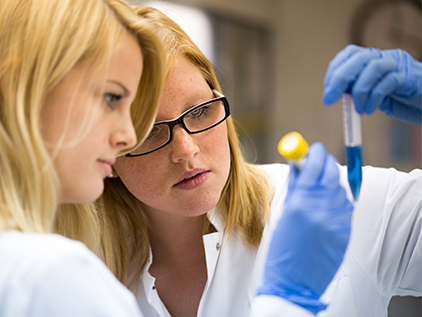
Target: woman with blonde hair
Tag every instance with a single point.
(185, 220)
(69, 72)
(187, 223)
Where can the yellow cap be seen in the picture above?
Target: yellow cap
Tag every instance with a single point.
(293, 146)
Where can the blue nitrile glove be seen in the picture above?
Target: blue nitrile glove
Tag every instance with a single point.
(389, 80)
(312, 234)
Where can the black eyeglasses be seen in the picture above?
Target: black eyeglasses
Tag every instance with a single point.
(197, 119)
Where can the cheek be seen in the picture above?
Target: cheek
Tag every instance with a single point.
(73, 124)
(52, 124)
(226, 159)
(140, 178)
(218, 148)
(219, 143)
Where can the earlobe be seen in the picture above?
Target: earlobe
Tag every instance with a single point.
(113, 174)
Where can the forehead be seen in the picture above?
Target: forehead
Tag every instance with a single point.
(123, 63)
(184, 74)
(185, 87)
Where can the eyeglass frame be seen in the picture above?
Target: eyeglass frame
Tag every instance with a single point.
(179, 120)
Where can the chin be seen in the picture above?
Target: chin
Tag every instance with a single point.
(193, 214)
(201, 208)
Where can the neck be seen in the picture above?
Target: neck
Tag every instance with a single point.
(179, 261)
(176, 238)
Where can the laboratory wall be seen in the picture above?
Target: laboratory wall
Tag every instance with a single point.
(308, 35)
(300, 37)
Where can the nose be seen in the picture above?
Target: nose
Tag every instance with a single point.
(125, 136)
(183, 146)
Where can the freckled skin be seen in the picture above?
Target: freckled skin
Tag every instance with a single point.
(150, 178)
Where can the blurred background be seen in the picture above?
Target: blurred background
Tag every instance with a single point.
(270, 57)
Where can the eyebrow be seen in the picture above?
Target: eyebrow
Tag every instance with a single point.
(125, 90)
(190, 108)
(193, 104)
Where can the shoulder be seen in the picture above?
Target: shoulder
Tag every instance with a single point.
(28, 256)
(277, 173)
(275, 168)
(46, 248)
(389, 184)
(49, 275)
(387, 175)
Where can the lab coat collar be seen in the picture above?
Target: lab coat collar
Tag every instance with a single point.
(213, 243)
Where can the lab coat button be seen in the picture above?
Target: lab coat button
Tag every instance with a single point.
(217, 246)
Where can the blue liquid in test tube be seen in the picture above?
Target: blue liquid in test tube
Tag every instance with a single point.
(353, 144)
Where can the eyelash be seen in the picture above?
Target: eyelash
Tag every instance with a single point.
(200, 112)
(115, 97)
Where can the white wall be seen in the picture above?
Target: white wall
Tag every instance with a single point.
(308, 34)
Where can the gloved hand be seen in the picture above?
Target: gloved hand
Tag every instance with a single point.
(312, 234)
(388, 80)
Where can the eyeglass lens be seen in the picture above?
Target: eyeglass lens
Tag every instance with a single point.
(196, 120)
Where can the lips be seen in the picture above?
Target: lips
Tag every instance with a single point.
(192, 179)
(110, 161)
(106, 165)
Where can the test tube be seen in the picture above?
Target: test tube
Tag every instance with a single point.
(353, 144)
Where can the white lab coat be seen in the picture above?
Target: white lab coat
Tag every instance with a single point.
(384, 257)
(46, 275)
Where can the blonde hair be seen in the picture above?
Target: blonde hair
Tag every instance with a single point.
(245, 199)
(40, 42)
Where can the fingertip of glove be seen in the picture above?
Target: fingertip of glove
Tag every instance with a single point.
(316, 152)
(318, 146)
(329, 97)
